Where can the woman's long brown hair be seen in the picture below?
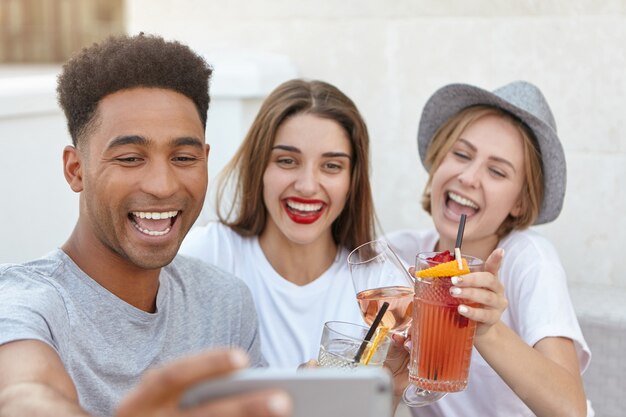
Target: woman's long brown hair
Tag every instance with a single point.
(243, 175)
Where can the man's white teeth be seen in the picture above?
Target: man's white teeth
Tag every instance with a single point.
(152, 232)
(155, 215)
(304, 207)
(462, 200)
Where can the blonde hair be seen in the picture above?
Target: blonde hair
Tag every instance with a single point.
(246, 213)
(532, 189)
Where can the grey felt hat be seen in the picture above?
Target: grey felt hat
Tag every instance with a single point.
(526, 102)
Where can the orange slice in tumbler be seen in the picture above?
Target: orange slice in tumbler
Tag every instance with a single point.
(381, 332)
(446, 269)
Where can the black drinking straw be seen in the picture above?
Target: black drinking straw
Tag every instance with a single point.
(459, 235)
(371, 331)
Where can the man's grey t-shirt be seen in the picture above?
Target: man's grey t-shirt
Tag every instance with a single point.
(104, 342)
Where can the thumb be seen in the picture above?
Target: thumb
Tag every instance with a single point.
(494, 261)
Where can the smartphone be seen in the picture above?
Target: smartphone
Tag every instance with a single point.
(360, 392)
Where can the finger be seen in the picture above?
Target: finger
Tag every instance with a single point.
(493, 262)
(311, 363)
(268, 403)
(478, 280)
(486, 298)
(398, 339)
(171, 379)
(396, 351)
(479, 315)
(397, 359)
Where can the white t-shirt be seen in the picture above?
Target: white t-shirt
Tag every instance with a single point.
(291, 317)
(539, 307)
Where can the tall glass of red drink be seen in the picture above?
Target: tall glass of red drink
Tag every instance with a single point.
(441, 338)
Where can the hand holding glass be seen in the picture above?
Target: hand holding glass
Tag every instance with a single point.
(379, 275)
(442, 339)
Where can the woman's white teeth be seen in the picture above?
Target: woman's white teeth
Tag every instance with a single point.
(303, 206)
(155, 215)
(462, 200)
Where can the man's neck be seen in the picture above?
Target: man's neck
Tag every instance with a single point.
(136, 286)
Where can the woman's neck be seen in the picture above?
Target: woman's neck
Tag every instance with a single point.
(299, 264)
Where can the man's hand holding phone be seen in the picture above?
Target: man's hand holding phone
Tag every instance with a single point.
(161, 389)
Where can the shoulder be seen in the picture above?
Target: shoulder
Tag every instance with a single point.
(525, 245)
(204, 276)
(219, 293)
(212, 237)
(531, 264)
(212, 230)
(33, 305)
(35, 276)
(407, 242)
(421, 238)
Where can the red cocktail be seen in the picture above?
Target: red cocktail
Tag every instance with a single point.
(442, 338)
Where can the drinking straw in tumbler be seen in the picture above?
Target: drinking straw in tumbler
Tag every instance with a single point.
(370, 332)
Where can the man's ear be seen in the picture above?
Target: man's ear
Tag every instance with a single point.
(73, 168)
(207, 150)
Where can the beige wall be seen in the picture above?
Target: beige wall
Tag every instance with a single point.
(44, 31)
(390, 56)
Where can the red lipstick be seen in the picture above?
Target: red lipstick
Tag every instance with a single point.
(303, 215)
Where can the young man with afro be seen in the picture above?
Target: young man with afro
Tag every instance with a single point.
(114, 322)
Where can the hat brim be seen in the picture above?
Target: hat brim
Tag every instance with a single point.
(451, 99)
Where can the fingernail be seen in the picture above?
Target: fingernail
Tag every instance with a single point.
(463, 309)
(279, 404)
(408, 344)
(455, 291)
(238, 359)
(456, 280)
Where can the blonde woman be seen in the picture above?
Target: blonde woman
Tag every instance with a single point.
(496, 157)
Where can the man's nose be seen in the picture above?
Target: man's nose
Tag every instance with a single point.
(160, 180)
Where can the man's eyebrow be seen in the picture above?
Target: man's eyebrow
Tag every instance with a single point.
(188, 141)
(128, 140)
(142, 141)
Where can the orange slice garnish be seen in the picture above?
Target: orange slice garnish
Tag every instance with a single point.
(446, 269)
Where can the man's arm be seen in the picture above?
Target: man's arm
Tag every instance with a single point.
(33, 382)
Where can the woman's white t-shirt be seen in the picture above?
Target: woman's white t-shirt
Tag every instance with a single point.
(539, 307)
(291, 317)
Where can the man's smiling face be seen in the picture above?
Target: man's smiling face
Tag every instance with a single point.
(143, 175)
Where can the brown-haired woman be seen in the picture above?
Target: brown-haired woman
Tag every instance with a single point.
(302, 202)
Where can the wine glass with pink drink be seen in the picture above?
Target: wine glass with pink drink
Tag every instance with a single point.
(380, 276)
